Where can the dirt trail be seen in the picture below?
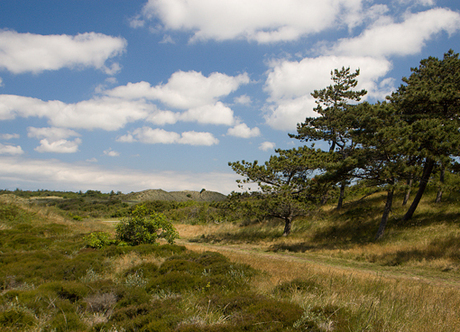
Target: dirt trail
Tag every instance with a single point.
(288, 265)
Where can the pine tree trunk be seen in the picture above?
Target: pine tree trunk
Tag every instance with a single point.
(341, 196)
(427, 170)
(441, 179)
(409, 185)
(287, 226)
(386, 214)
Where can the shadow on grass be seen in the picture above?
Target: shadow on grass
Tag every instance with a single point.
(447, 247)
(431, 218)
(265, 231)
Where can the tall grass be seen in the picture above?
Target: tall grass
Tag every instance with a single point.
(407, 282)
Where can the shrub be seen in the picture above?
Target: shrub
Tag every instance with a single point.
(98, 240)
(144, 228)
(16, 319)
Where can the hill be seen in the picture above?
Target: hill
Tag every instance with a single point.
(176, 196)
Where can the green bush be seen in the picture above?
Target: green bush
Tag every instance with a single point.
(98, 240)
(144, 228)
(16, 319)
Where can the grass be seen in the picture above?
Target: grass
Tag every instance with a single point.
(329, 275)
(407, 282)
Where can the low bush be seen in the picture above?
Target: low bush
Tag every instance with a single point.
(143, 228)
(99, 240)
(16, 320)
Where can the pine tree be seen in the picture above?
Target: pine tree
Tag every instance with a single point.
(429, 102)
(333, 124)
(382, 157)
(284, 181)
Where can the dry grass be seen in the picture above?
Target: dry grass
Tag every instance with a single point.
(375, 302)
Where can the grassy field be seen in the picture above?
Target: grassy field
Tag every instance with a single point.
(328, 275)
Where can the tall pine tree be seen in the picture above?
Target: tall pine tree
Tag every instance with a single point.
(333, 124)
(429, 102)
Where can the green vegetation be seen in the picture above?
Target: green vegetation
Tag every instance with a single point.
(62, 269)
(60, 285)
(50, 280)
(143, 227)
(396, 144)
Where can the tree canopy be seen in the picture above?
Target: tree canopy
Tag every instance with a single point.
(410, 136)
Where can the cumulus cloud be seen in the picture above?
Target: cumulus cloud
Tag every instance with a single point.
(243, 100)
(161, 118)
(198, 138)
(242, 130)
(10, 149)
(102, 113)
(264, 21)
(184, 90)
(55, 139)
(160, 136)
(191, 92)
(54, 174)
(111, 153)
(136, 22)
(217, 114)
(290, 84)
(51, 133)
(267, 146)
(27, 52)
(58, 146)
(7, 137)
(406, 38)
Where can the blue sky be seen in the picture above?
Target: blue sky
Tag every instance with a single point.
(134, 95)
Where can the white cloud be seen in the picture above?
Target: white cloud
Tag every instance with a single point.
(243, 100)
(51, 133)
(58, 146)
(286, 114)
(111, 153)
(406, 38)
(54, 139)
(10, 149)
(290, 84)
(243, 131)
(155, 136)
(128, 138)
(184, 90)
(53, 174)
(194, 138)
(167, 39)
(417, 2)
(217, 114)
(103, 113)
(160, 136)
(27, 52)
(1, 82)
(163, 117)
(191, 91)
(263, 21)
(136, 22)
(266, 146)
(7, 137)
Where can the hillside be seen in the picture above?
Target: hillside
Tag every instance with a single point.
(176, 196)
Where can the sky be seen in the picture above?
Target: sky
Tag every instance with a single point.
(129, 95)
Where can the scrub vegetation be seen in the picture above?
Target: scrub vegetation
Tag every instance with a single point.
(327, 243)
(236, 274)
